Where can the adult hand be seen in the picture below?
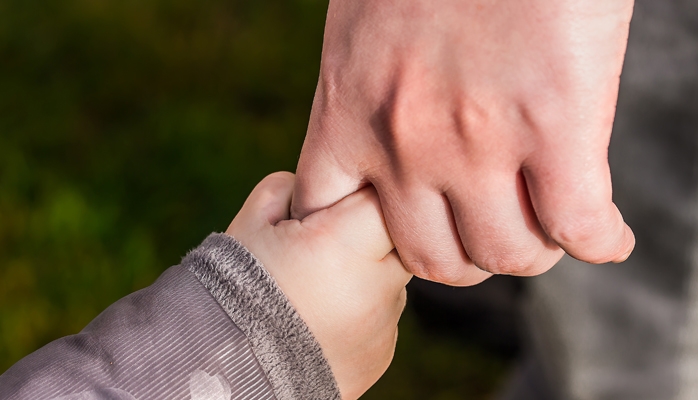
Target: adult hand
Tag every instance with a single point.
(483, 124)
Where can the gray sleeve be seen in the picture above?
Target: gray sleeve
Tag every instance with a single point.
(215, 327)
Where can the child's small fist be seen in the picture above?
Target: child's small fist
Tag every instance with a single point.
(339, 269)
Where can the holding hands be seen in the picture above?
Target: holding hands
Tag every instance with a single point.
(473, 132)
(339, 269)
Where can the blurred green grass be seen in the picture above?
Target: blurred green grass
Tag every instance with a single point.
(129, 130)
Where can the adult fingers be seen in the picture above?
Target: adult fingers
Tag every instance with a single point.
(267, 204)
(572, 198)
(320, 179)
(422, 227)
(357, 223)
(498, 227)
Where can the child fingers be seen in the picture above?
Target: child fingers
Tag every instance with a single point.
(393, 278)
(268, 203)
(357, 223)
(384, 281)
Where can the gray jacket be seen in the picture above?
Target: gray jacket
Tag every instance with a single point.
(215, 327)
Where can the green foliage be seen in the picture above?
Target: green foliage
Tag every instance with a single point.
(129, 130)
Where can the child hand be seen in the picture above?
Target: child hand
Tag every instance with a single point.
(339, 269)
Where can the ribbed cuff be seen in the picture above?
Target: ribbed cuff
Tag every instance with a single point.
(281, 341)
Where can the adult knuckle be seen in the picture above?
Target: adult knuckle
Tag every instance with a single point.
(589, 238)
(432, 269)
(504, 265)
(581, 229)
(518, 262)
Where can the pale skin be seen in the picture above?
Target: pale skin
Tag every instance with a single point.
(484, 126)
(338, 268)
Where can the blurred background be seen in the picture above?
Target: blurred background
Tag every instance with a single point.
(129, 130)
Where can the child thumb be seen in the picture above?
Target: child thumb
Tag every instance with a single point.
(268, 203)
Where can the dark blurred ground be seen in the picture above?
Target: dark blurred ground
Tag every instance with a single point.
(129, 130)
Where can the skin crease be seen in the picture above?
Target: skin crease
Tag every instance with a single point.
(483, 125)
(338, 268)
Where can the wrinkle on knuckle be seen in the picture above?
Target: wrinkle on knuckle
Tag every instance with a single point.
(436, 271)
(516, 263)
(581, 230)
(593, 238)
